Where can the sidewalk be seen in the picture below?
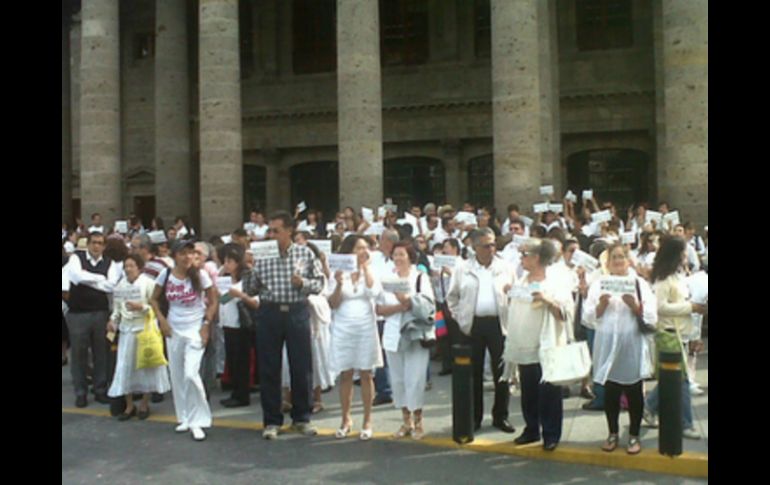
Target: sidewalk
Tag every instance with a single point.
(583, 431)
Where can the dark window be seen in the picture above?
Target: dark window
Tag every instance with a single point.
(403, 32)
(604, 24)
(483, 28)
(144, 46)
(481, 181)
(617, 176)
(246, 34)
(315, 36)
(414, 181)
(317, 183)
(254, 191)
(75, 211)
(144, 208)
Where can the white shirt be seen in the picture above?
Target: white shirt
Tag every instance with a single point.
(228, 312)
(486, 301)
(260, 232)
(305, 227)
(186, 308)
(73, 272)
(440, 235)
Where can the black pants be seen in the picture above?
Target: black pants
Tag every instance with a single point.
(541, 404)
(453, 337)
(612, 392)
(276, 327)
(486, 334)
(238, 343)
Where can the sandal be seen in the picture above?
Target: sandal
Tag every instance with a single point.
(634, 446)
(317, 407)
(611, 443)
(418, 433)
(343, 432)
(366, 434)
(404, 430)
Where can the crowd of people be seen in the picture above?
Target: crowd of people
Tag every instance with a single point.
(294, 305)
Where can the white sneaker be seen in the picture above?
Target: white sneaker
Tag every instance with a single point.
(306, 429)
(691, 433)
(650, 420)
(696, 390)
(270, 432)
(197, 433)
(182, 428)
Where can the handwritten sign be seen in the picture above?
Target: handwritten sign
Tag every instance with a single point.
(301, 207)
(651, 216)
(556, 207)
(265, 250)
(249, 227)
(588, 194)
(323, 245)
(466, 218)
(526, 220)
(347, 263)
(128, 293)
(672, 218)
(546, 190)
(396, 285)
(520, 293)
(603, 216)
(368, 214)
(628, 237)
(581, 258)
(618, 285)
(121, 227)
(391, 207)
(375, 229)
(157, 237)
(570, 197)
(441, 260)
(540, 208)
(224, 283)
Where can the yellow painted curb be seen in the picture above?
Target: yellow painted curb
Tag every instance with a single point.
(649, 460)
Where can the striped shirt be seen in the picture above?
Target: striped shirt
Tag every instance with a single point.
(154, 267)
(272, 281)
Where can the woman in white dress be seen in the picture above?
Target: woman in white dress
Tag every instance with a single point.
(129, 316)
(407, 358)
(622, 354)
(355, 343)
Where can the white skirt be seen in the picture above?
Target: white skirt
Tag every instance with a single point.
(323, 376)
(127, 379)
(355, 344)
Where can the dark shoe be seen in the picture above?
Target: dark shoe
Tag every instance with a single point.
(504, 426)
(156, 397)
(378, 400)
(445, 372)
(102, 398)
(81, 402)
(233, 403)
(143, 414)
(525, 440)
(592, 406)
(328, 389)
(550, 446)
(126, 416)
(565, 392)
(357, 382)
(587, 393)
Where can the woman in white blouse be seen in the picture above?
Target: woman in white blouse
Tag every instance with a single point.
(355, 343)
(129, 317)
(622, 355)
(407, 358)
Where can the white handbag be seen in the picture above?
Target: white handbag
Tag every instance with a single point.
(564, 364)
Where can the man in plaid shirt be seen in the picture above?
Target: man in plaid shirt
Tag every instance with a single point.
(283, 285)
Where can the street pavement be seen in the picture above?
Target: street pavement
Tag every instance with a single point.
(128, 452)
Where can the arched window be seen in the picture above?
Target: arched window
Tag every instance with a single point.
(317, 183)
(619, 176)
(481, 181)
(254, 191)
(414, 181)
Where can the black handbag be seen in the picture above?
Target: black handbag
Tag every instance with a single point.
(644, 328)
(247, 316)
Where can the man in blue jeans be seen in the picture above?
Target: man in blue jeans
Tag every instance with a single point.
(283, 284)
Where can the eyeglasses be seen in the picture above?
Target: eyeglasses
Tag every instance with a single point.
(487, 246)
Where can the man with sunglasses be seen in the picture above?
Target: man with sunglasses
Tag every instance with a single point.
(87, 279)
(477, 300)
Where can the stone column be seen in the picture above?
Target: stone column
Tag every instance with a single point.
(66, 123)
(221, 156)
(173, 178)
(100, 172)
(359, 98)
(452, 150)
(518, 117)
(683, 145)
(550, 134)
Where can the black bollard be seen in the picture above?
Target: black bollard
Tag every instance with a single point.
(462, 395)
(670, 407)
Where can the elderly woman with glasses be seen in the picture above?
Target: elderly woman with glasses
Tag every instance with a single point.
(538, 302)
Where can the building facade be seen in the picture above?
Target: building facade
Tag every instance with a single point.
(208, 108)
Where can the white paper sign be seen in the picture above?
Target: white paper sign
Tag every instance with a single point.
(375, 229)
(368, 214)
(603, 216)
(396, 285)
(521, 240)
(121, 227)
(698, 284)
(466, 218)
(570, 196)
(441, 260)
(227, 239)
(330, 227)
(301, 206)
(391, 207)
(265, 249)
(157, 237)
(249, 227)
(540, 208)
(650, 216)
(521, 293)
(618, 285)
(391, 335)
(526, 220)
(224, 283)
(581, 258)
(347, 263)
(672, 218)
(546, 190)
(323, 245)
(388, 201)
(558, 208)
(628, 237)
(130, 293)
(588, 194)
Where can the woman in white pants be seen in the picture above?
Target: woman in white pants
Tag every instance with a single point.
(407, 358)
(186, 325)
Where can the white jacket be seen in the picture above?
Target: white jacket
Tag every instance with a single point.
(464, 290)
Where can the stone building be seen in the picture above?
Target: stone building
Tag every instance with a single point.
(210, 107)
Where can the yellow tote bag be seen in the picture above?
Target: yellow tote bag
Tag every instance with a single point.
(149, 345)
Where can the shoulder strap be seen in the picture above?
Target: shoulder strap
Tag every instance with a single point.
(419, 280)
